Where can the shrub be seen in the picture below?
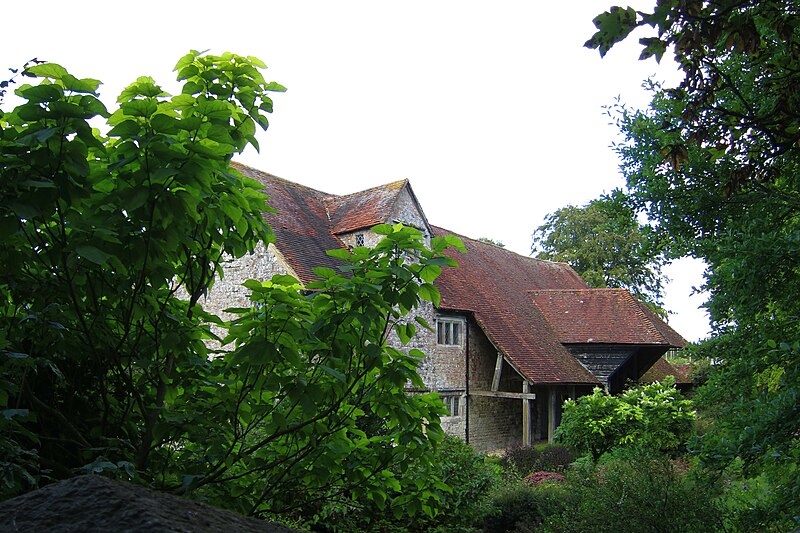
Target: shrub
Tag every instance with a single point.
(523, 460)
(469, 479)
(634, 493)
(514, 508)
(555, 458)
(520, 460)
(537, 478)
(521, 508)
(652, 417)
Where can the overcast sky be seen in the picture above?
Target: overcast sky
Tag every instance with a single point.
(493, 110)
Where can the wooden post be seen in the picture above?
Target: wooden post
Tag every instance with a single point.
(526, 414)
(551, 415)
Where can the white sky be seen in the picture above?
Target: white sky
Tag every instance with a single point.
(493, 110)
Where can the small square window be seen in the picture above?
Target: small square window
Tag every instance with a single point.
(452, 403)
(359, 239)
(448, 332)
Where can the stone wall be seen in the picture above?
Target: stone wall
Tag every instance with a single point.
(228, 291)
(494, 423)
(407, 211)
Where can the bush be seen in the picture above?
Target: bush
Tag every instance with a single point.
(469, 476)
(555, 458)
(523, 460)
(633, 493)
(654, 417)
(537, 478)
(521, 508)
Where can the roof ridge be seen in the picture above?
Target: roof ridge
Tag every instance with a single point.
(240, 166)
(378, 187)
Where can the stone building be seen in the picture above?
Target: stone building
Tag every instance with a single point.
(513, 336)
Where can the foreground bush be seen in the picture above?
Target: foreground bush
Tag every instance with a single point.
(633, 493)
(467, 480)
(523, 460)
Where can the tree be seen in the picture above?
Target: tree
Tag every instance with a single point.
(714, 163)
(604, 242)
(109, 242)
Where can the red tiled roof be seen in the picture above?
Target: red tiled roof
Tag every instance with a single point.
(602, 316)
(493, 284)
(301, 225)
(663, 368)
(363, 209)
(307, 221)
(673, 337)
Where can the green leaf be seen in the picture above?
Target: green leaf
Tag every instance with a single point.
(93, 254)
(613, 25)
(653, 47)
(430, 293)
(86, 85)
(339, 376)
(44, 92)
(339, 253)
(273, 86)
(47, 70)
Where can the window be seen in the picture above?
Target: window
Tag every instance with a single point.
(359, 239)
(448, 332)
(452, 403)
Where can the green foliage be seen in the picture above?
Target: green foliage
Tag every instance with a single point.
(109, 243)
(523, 460)
(606, 245)
(654, 418)
(282, 417)
(624, 494)
(487, 240)
(516, 507)
(714, 164)
(102, 235)
(470, 480)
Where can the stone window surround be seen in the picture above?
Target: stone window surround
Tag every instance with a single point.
(448, 327)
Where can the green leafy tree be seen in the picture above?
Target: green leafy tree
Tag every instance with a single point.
(605, 243)
(649, 418)
(283, 421)
(110, 240)
(714, 163)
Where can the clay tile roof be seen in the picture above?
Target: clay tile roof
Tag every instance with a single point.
(301, 225)
(363, 209)
(602, 316)
(493, 284)
(663, 368)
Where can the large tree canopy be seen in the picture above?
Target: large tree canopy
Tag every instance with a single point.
(715, 164)
(606, 245)
(110, 240)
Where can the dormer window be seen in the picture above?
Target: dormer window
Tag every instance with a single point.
(359, 239)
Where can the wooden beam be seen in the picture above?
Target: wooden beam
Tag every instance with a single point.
(498, 369)
(502, 394)
(526, 414)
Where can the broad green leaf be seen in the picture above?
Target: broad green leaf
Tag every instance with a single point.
(430, 293)
(47, 70)
(93, 254)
